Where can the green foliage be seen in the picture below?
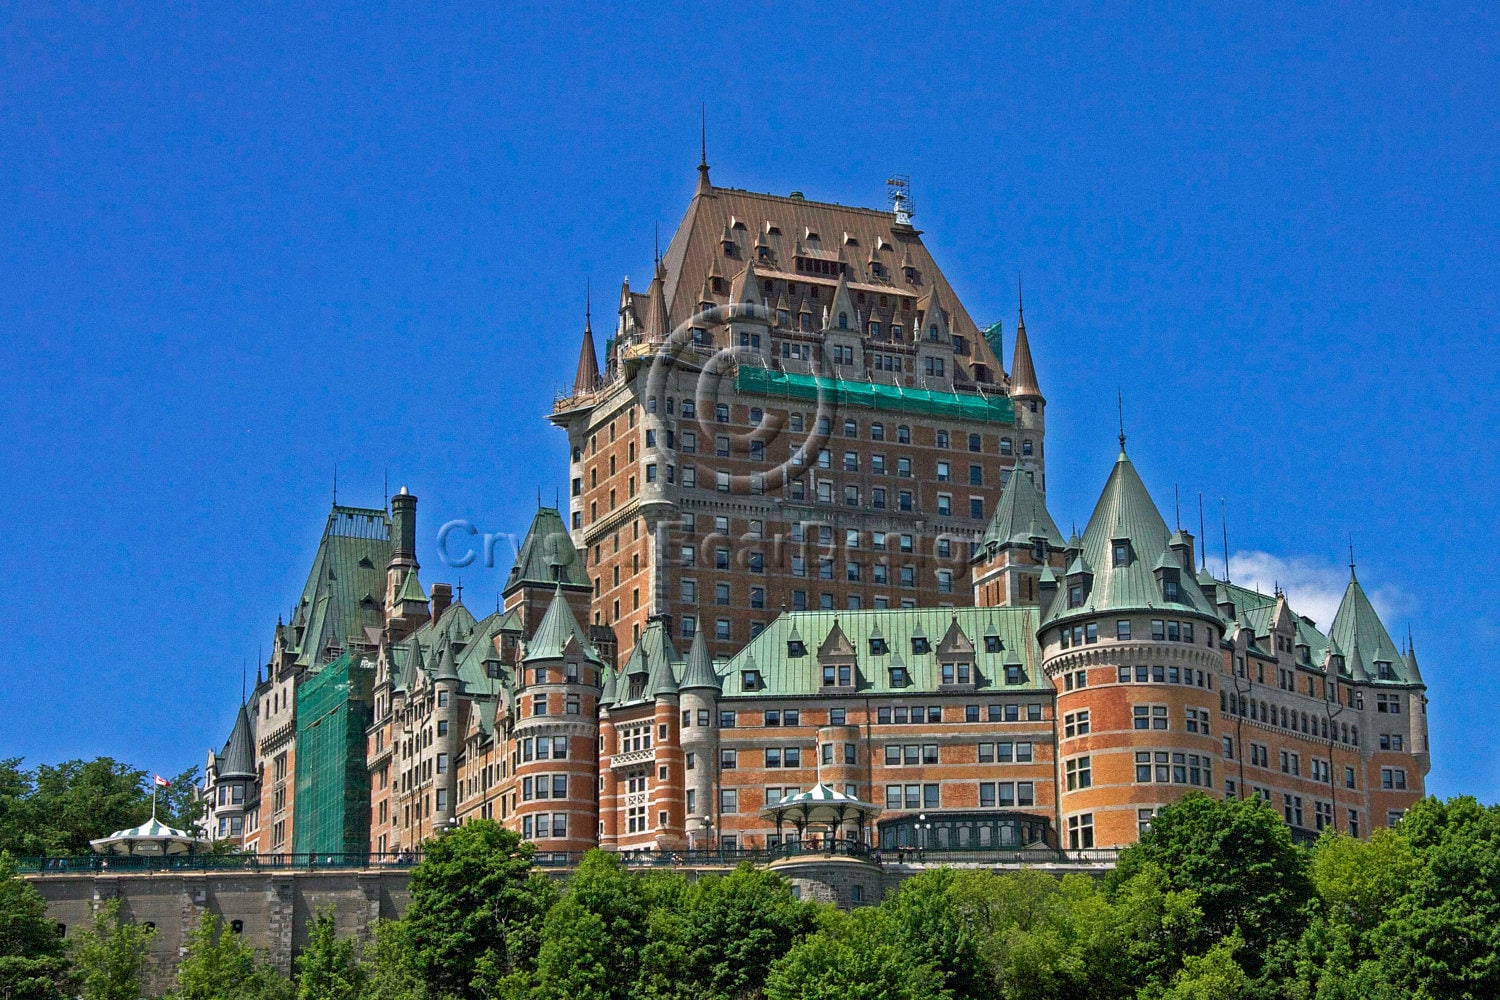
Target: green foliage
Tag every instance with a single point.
(110, 958)
(57, 809)
(1214, 975)
(476, 910)
(32, 963)
(1237, 857)
(388, 964)
(217, 965)
(856, 957)
(326, 969)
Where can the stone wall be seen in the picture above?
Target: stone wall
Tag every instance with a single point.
(272, 908)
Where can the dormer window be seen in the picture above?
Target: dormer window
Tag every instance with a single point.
(899, 677)
(879, 647)
(796, 648)
(1039, 550)
(992, 644)
(1169, 590)
(1075, 595)
(1383, 671)
(920, 645)
(750, 680)
(1122, 553)
(843, 321)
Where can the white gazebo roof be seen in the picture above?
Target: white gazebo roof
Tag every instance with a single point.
(152, 838)
(822, 803)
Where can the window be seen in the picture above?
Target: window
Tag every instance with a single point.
(1081, 832)
(1122, 629)
(1149, 716)
(1076, 723)
(1393, 778)
(1078, 773)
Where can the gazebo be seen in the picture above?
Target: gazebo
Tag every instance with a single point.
(823, 806)
(152, 839)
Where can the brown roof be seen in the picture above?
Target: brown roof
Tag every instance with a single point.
(795, 226)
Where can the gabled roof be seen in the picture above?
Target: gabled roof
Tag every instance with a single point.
(1021, 515)
(1125, 512)
(547, 554)
(238, 758)
(1358, 629)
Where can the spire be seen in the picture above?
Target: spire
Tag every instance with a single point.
(1357, 626)
(587, 379)
(1120, 406)
(559, 628)
(657, 324)
(1023, 383)
(447, 670)
(1021, 515)
(238, 758)
(700, 666)
(704, 186)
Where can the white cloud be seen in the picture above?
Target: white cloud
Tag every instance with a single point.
(1314, 587)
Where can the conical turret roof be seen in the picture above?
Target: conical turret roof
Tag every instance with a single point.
(700, 667)
(238, 758)
(1023, 383)
(447, 669)
(558, 627)
(1126, 513)
(1357, 627)
(587, 378)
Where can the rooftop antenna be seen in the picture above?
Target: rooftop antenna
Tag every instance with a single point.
(1224, 516)
(1202, 533)
(898, 192)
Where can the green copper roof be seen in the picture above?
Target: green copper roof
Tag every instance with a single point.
(557, 628)
(547, 554)
(871, 396)
(784, 674)
(1125, 512)
(344, 590)
(411, 588)
(1021, 515)
(480, 650)
(1359, 629)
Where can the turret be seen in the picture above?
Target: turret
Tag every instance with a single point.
(699, 700)
(405, 600)
(446, 689)
(587, 378)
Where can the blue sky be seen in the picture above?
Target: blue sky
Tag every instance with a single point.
(241, 247)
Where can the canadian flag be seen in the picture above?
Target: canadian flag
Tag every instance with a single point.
(161, 782)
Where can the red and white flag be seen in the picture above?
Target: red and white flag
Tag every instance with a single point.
(162, 782)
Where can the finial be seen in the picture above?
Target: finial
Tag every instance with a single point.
(460, 590)
(657, 252)
(538, 498)
(1177, 502)
(1351, 555)
(1202, 533)
(335, 484)
(1224, 516)
(703, 137)
(1020, 302)
(1120, 404)
(588, 305)
(242, 682)
(385, 478)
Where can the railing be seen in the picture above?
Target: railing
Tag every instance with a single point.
(725, 857)
(130, 864)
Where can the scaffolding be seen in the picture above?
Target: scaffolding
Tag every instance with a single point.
(331, 808)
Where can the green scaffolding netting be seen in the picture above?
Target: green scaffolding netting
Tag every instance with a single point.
(870, 396)
(331, 811)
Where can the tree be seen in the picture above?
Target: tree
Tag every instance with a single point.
(476, 907)
(934, 930)
(387, 965)
(110, 958)
(1214, 975)
(858, 956)
(592, 939)
(32, 962)
(326, 969)
(78, 801)
(1237, 857)
(1442, 939)
(217, 965)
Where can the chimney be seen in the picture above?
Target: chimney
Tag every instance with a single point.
(442, 596)
(404, 525)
